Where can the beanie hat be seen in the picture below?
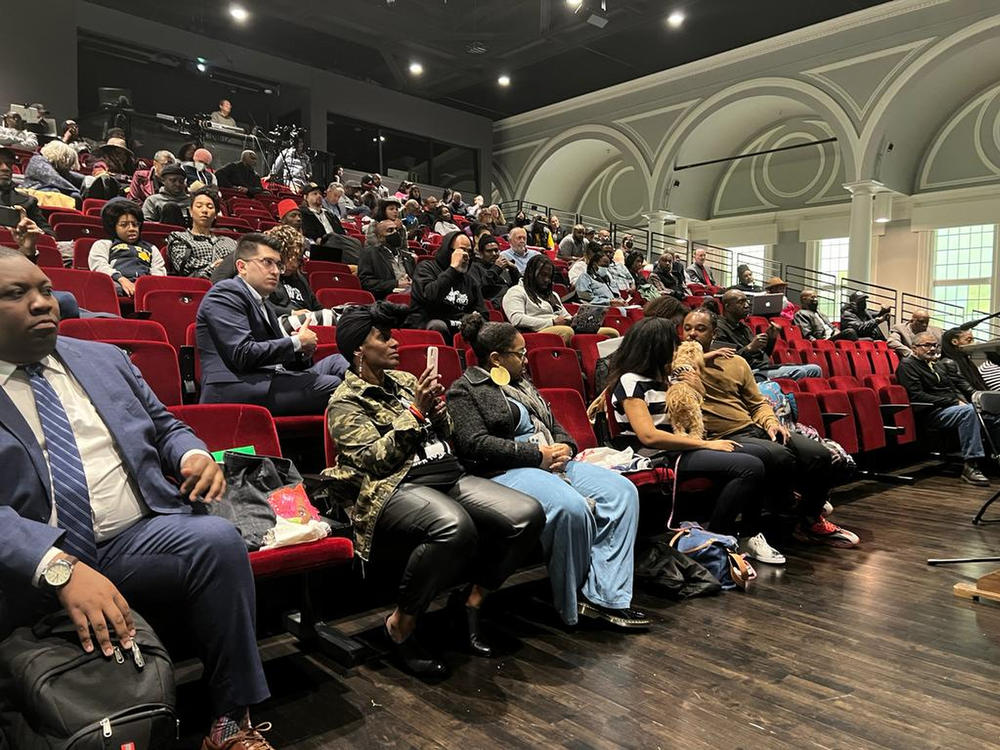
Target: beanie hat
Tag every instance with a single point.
(288, 204)
(203, 155)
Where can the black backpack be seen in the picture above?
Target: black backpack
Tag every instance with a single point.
(55, 696)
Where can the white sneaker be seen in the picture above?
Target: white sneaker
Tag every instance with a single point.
(827, 509)
(757, 548)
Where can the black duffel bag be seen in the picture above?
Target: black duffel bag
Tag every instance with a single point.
(55, 696)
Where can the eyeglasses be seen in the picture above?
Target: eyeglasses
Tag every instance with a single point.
(127, 224)
(521, 354)
(927, 345)
(269, 263)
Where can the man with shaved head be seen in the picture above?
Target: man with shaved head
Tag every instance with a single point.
(814, 324)
(902, 335)
(755, 349)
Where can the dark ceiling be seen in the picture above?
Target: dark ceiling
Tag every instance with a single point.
(550, 52)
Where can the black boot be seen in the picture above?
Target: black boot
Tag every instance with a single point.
(414, 658)
(468, 618)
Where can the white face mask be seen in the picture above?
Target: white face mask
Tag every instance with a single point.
(200, 165)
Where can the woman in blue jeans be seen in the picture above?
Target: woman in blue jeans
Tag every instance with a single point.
(504, 430)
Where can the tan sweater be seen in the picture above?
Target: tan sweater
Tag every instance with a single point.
(732, 399)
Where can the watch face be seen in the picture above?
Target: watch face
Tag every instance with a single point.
(58, 573)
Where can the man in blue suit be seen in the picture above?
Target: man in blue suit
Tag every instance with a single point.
(88, 518)
(245, 358)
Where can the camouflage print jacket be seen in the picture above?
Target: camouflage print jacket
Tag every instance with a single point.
(377, 437)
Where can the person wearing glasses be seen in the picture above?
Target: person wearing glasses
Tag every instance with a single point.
(941, 398)
(245, 357)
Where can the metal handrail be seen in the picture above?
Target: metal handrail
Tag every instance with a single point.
(800, 278)
(763, 268)
(660, 242)
(885, 296)
(640, 237)
(943, 314)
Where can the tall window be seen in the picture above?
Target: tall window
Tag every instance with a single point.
(963, 266)
(832, 257)
(754, 256)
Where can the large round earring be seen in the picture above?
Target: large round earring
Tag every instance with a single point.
(499, 375)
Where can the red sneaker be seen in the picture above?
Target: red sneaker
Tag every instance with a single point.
(824, 532)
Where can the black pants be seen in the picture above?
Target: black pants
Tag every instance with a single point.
(479, 531)
(739, 479)
(801, 464)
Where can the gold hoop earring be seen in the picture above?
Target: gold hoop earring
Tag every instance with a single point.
(500, 375)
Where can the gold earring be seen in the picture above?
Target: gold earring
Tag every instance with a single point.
(499, 375)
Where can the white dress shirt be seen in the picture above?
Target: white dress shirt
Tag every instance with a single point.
(115, 501)
(323, 219)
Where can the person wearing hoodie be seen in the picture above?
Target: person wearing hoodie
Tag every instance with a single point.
(443, 291)
(197, 170)
(124, 255)
(171, 202)
(494, 274)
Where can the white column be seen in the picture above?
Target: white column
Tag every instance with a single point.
(859, 264)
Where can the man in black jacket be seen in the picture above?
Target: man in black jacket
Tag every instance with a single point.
(814, 324)
(854, 316)
(494, 274)
(443, 291)
(386, 265)
(10, 197)
(940, 397)
(317, 223)
(241, 174)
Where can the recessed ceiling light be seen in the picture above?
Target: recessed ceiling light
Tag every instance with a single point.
(201, 67)
(504, 80)
(574, 3)
(416, 68)
(675, 19)
(239, 13)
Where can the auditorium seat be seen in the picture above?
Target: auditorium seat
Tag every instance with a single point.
(798, 345)
(809, 412)
(880, 362)
(325, 334)
(81, 252)
(787, 385)
(146, 284)
(325, 265)
(860, 362)
(824, 345)
(413, 359)
(398, 298)
(555, 367)
(327, 280)
(839, 419)
(113, 329)
(815, 357)
(323, 351)
(586, 346)
(337, 297)
(70, 232)
(542, 340)
(570, 411)
(813, 385)
(843, 382)
(837, 363)
(174, 310)
(93, 291)
(48, 257)
(867, 419)
(417, 337)
(865, 345)
(157, 361)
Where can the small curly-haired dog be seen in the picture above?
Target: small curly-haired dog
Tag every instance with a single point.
(684, 400)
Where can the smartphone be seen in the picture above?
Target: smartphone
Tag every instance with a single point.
(9, 217)
(432, 360)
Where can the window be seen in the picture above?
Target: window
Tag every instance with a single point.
(754, 256)
(832, 257)
(962, 271)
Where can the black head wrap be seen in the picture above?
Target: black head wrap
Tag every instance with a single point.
(355, 323)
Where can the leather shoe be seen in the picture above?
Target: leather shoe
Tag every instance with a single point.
(626, 618)
(249, 738)
(972, 475)
(469, 618)
(414, 658)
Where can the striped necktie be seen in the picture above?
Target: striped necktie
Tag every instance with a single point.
(69, 482)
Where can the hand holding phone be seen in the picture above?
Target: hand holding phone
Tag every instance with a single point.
(9, 217)
(432, 360)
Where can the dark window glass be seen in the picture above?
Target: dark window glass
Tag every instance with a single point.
(406, 157)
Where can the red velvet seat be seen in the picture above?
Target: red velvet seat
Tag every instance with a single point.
(325, 334)
(325, 265)
(841, 427)
(93, 291)
(787, 385)
(865, 345)
(417, 336)
(81, 252)
(815, 357)
(555, 367)
(542, 340)
(798, 345)
(113, 329)
(867, 419)
(174, 310)
(327, 280)
(157, 361)
(337, 297)
(586, 345)
(845, 344)
(809, 412)
(813, 385)
(881, 363)
(843, 382)
(860, 362)
(146, 284)
(49, 257)
(824, 345)
(398, 298)
(413, 359)
(837, 362)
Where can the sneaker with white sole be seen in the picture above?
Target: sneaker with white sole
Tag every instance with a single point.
(824, 532)
(827, 509)
(757, 548)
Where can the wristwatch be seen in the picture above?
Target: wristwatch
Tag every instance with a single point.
(58, 572)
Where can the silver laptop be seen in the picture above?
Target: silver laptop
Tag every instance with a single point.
(766, 305)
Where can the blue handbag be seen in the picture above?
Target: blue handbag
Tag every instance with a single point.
(716, 552)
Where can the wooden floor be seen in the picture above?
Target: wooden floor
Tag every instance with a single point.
(861, 648)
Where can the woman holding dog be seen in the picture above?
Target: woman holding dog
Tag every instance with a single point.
(642, 371)
(504, 430)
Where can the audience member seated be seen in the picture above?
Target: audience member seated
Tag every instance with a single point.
(902, 334)
(594, 284)
(573, 244)
(410, 215)
(443, 225)
(539, 234)
(990, 371)
(746, 281)
(53, 170)
(245, 358)
(197, 170)
(241, 175)
(532, 306)
(293, 167)
(116, 153)
(699, 272)
(333, 200)
(402, 193)
(146, 182)
(953, 347)
(518, 252)
(494, 274)
(638, 382)
(505, 430)
(293, 296)
(386, 265)
(124, 255)
(855, 316)
(621, 280)
(71, 137)
(386, 208)
(223, 115)
(14, 132)
(665, 280)
(775, 285)
(557, 232)
(318, 224)
(755, 349)
(430, 212)
(635, 261)
(171, 203)
(12, 198)
(132, 472)
(196, 251)
(941, 398)
(443, 292)
(413, 505)
(734, 409)
(100, 183)
(815, 326)
(457, 206)
(477, 206)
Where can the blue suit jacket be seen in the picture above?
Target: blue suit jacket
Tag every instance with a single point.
(151, 441)
(237, 343)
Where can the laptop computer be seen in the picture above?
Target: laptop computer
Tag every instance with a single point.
(766, 305)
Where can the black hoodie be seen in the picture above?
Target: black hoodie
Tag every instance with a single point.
(440, 292)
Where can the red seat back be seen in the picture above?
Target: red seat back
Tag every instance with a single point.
(902, 418)
(843, 382)
(337, 297)
(325, 265)
(867, 419)
(93, 291)
(799, 344)
(824, 345)
(865, 345)
(838, 364)
(157, 361)
(586, 345)
(398, 298)
(555, 367)
(113, 329)
(540, 340)
(843, 428)
(174, 310)
(880, 363)
(327, 280)
(813, 385)
(814, 357)
(81, 252)
(810, 412)
(146, 284)
(569, 410)
(325, 334)
(417, 337)
(860, 363)
(222, 426)
(413, 359)
(787, 385)
(49, 257)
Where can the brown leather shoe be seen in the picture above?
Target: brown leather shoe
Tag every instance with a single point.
(246, 739)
